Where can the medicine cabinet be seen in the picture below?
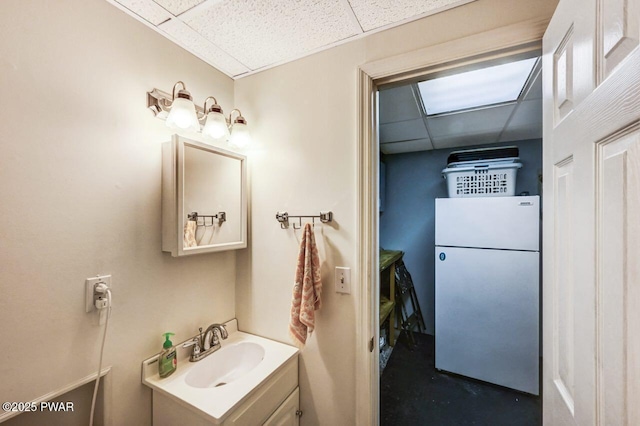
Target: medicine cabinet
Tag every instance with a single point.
(204, 198)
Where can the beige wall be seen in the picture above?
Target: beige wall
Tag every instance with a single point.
(80, 195)
(80, 165)
(303, 118)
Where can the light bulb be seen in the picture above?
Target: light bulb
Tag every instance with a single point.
(183, 115)
(216, 126)
(240, 136)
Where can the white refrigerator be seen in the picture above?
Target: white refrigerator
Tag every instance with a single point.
(487, 289)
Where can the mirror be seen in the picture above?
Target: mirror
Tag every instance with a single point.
(204, 198)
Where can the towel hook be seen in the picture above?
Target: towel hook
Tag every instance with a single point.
(283, 218)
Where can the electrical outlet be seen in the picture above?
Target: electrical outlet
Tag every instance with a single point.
(343, 279)
(90, 295)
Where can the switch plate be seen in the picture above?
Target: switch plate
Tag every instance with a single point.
(89, 285)
(343, 280)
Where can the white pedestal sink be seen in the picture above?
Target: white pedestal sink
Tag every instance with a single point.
(243, 382)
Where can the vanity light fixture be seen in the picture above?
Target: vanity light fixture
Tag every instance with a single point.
(181, 113)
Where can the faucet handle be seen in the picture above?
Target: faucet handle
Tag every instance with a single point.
(196, 346)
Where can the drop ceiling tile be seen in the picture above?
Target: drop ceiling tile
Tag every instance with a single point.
(521, 134)
(403, 131)
(377, 13)
(259, 33)
(407, 146)
(527, 114)
(148, 10)
(202, 48)
(535, 90)
(482, 121)
(398, 104)
(178, 6)
(526, 122)
(468, 140)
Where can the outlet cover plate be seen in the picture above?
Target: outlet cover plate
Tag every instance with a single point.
(89, 285)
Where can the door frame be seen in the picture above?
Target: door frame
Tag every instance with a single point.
(505, 41)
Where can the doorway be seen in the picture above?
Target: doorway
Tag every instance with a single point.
(492, 45)
(426, 125)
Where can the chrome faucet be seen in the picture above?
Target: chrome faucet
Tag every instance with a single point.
(204, 345)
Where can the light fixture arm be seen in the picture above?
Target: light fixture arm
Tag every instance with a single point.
(213, 108)
(174, 89)
(173, 94)
(239, 119)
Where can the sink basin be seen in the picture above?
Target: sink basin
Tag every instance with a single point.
(225, 365)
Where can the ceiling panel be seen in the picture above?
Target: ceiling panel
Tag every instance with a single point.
(467, 140)
(528, 114)
(535, 90)
(201, 47)
(526, 122)
(403, 131)
(259, 33)
(398, 104)
(177, 7)
(149, 10)
(377, 13)
(468, 123)
(406, 146)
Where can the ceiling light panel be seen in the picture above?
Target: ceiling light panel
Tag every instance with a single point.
(377, 13)
(472, 89)
(148, 10)
(178, 6)
(259, 33)
(202, 48)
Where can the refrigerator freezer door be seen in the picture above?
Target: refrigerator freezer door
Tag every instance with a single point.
(510, 223)
(487, 312)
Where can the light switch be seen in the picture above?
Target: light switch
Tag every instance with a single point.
(343, 279)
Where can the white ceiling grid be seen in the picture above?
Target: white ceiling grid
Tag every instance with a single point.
(177, 7)
(243, 36)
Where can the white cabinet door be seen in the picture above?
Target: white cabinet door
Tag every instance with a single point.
(287, 413)
(591, 230)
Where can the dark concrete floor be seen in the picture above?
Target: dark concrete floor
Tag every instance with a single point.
(412, 392)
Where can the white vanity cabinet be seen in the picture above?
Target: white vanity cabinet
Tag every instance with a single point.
(263, 405)
(287, 413)
(275, 402)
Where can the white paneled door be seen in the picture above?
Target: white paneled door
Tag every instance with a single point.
(591, 223)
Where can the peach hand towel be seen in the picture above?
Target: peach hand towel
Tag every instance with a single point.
(307, 290)
(190, 234)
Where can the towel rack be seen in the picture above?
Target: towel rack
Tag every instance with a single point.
(220, 216)
(283, 218)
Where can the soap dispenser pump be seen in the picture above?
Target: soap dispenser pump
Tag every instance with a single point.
(168, 361)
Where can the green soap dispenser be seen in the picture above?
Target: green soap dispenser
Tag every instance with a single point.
(168, 361)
